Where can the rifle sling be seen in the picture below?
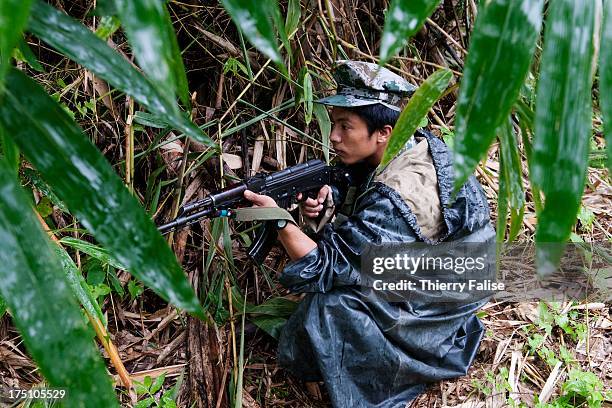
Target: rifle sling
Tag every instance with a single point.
(262, 213)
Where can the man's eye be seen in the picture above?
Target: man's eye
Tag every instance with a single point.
(345, 127)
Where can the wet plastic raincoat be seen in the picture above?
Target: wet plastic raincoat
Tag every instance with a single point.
(381, 354)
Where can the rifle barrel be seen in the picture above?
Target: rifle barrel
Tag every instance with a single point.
(184, 220)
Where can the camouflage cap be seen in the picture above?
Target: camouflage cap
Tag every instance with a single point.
(365, 83)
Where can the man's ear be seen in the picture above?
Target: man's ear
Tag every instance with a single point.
(384, 134)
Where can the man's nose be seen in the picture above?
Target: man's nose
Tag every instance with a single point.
(334, 136)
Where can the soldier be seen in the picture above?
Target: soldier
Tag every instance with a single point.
(377, 354)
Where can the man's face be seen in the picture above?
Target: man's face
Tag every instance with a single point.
(350, 137)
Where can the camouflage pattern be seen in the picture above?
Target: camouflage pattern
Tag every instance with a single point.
(365, 83)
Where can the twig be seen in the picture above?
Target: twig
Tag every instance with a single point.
(447, 35)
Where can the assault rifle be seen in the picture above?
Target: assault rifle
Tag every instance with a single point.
(283, 186)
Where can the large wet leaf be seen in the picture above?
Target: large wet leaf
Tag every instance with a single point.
(510, 168)
(402, 21)
(151, 36)
(563, 123)
(87, 184)
(2, 307)
(13, 18)
(605, 76)
(500, 54)
(502, 204)
(256, 20)
(415, 111)
(43, 308)
(10, 151)
(78, 43)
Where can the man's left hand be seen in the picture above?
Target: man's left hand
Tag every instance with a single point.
(292, 238)
(260, 200)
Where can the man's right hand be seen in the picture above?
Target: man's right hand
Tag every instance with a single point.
(311, 207)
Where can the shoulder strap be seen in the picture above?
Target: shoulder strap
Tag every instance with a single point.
(262, 213)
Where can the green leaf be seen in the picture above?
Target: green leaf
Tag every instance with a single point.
(294, 12)
(80, 175)
(233, 65)
(500, 54)
(43, 309)
(80, 288)
(2, 308)
(270, 324)
(24, 53)
(417, 108)
(78, 43)
(278, 306)
(95, 271)
(44, 207)
(94, 251)
(146, 119)
(585, 384)
(279, 23)
(586, 218)
(269, 316)
(255, 19)
(151, 36)
(402, 21)
(140, 388)
(34, 177)
(145, 403)
(308, 105)
(112, 278)
(324, 122)
(167, 402)
(562, 124)
(100, 291)
(134, 289)
(105, 8)
(13, 19)
(510, 166)
(10, 151)
(107, 27)
(502, 203)
(157, 384)
(605, 76)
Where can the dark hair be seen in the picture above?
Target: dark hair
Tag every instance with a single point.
(376, 116)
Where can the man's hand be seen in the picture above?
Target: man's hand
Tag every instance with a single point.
(293, 239)
(311, 207)
(260, 200)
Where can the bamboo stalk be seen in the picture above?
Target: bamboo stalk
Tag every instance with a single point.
(98, 327)
(111, 350)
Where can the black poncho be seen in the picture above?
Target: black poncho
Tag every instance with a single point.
(381, 354)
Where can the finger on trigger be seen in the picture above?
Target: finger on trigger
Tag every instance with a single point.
(322, 193)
